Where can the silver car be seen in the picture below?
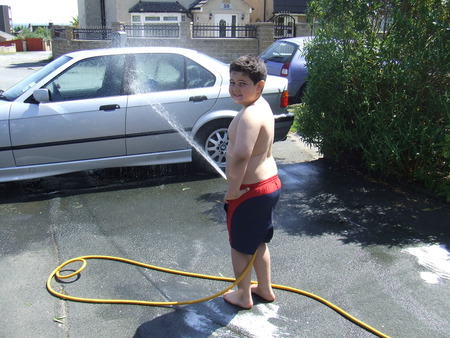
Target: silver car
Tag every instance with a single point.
(121, 107)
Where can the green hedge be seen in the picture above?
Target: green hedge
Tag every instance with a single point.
(378, 89)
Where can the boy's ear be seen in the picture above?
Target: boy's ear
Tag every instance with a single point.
(260, 85)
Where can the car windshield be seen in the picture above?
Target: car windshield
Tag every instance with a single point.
(15, 91)
(280, 51)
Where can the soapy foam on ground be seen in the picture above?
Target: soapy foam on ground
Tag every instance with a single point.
(435, 258)
(257, 322)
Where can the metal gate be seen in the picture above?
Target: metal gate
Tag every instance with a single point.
(284, 26)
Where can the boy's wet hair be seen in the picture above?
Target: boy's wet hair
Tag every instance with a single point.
(251, 65)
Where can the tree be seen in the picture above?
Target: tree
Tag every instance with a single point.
(74, 22)
(40, 32)
(378, 91)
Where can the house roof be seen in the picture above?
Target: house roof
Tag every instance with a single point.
(157, 7)
(6, 36)
(197, 4)
(291, 6)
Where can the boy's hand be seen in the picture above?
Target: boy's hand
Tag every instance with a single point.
(229, 197)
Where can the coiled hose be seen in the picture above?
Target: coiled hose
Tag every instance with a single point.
(83, 259)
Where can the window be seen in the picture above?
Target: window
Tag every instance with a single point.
(24, 85)
(280, 51)
(152, 18)
(157, 72)
(157, 17)
(170, 18)
(165, 72)
(197, 76)
(95, 77)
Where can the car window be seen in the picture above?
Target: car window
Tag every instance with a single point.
(156, 73)
(165, 72)
(94, 77)
(198, 76)
(27, 83)
(280, 51)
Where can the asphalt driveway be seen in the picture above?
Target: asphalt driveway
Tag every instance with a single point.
(379, 250)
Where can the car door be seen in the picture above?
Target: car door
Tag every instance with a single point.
(168, 92)
(84, 120)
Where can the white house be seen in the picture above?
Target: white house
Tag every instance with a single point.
(103, 13)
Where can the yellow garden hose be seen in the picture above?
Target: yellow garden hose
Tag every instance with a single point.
(83, 259)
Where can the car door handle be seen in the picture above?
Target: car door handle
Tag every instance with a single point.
(107, 107)
(198, 98)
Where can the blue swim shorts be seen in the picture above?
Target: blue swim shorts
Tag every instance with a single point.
(249, 218)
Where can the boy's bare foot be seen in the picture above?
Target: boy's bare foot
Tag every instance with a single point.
(235, 298)
(268, 295)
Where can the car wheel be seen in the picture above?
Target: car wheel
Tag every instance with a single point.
(213, 141)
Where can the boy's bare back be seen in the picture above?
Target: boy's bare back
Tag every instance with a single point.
(251, 135)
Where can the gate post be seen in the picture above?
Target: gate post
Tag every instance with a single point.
(264, 34)
(186, 32)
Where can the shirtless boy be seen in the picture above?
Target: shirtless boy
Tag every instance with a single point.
(253, 186)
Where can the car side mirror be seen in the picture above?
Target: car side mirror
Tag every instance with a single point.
(41, 95)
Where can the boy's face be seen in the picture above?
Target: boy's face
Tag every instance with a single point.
(242, 89)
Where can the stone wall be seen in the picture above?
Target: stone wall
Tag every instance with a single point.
(224, 49)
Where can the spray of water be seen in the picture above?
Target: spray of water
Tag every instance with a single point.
(157, 107)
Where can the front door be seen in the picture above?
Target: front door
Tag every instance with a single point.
(227, 25)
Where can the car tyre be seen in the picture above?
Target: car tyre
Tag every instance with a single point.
(213, 140)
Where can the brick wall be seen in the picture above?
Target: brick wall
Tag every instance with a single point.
(28, 44)
(224, 49)
(18, 44)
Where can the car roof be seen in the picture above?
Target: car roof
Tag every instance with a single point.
(299, 40)
(131, 50)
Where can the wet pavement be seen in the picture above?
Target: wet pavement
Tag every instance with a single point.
(378, 250)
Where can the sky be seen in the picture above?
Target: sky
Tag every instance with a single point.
(42, 11)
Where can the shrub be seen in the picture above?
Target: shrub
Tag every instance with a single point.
(40, 32)
(378, 89)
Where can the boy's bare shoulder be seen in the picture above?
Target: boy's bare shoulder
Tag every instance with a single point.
(260, 109)
(260, 104)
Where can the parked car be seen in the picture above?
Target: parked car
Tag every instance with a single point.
(285, 58)
(101, 108)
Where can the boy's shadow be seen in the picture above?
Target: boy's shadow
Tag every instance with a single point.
(196, 320)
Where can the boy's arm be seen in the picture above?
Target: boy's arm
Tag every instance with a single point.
(246, 135)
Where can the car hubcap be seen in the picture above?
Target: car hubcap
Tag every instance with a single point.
(216, 146)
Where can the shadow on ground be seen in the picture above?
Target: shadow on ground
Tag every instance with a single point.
(98, 180)
(30, 64)
(360, 209)
(320, 198)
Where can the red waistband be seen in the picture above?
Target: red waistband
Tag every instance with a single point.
(258, 184)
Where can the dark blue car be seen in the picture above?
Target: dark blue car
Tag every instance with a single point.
(285, 58)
